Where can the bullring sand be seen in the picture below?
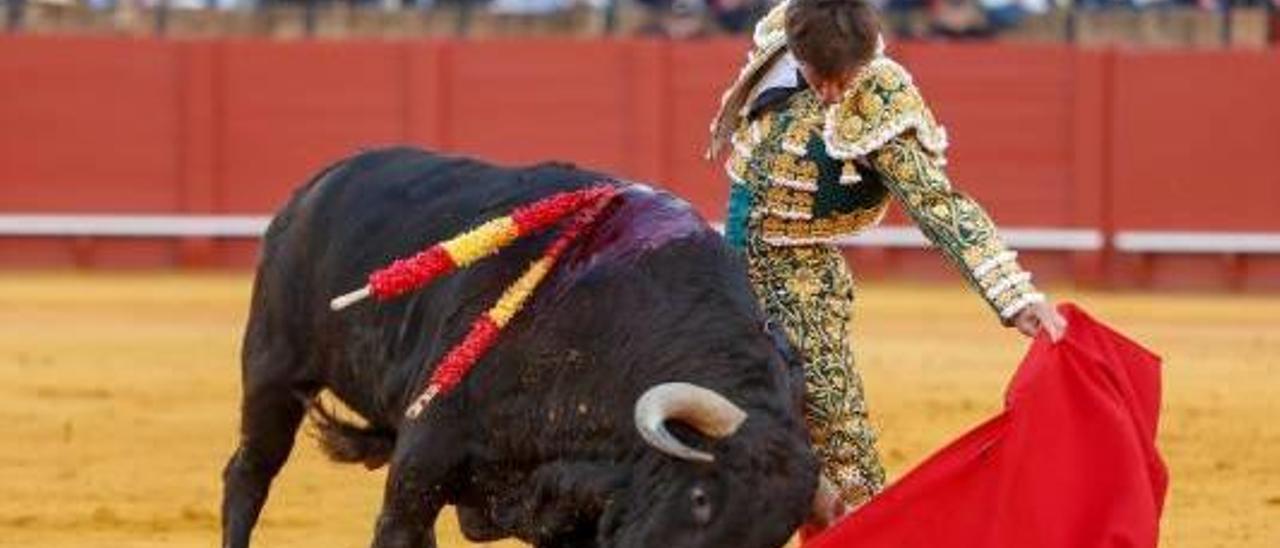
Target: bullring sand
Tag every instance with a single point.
(118, 406)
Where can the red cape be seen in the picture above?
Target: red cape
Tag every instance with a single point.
(1070, 463)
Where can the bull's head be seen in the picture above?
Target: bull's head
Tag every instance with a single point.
(716, 475)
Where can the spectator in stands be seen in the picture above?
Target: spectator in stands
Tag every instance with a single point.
(678, 19)
(736, 16)
(958, 19)
(981, 18)
(898, 16)
(1003, 14)
(529, 7)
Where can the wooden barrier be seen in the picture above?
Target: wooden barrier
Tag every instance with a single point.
(1128, 150)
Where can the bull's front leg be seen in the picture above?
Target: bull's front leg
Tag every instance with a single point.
(416, 491)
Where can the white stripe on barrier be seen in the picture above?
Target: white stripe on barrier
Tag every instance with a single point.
(1032, 239)
(251, 226)
(135, 226)
(1151, 241)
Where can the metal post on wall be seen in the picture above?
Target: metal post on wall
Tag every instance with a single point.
(162, 18)
(463, 27)
(310, 17)
(1072, 30)
(1273, 23)
(15, 10)
(611, 17)
(1228, 31)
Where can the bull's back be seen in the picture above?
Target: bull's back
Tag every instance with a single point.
(369, 209)
(359, 215)
(389, 203)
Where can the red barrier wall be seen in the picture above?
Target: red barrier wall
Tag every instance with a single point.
(80, 114)
(1044, 136)
(1195, 139)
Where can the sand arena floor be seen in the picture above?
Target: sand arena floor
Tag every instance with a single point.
(118, 406)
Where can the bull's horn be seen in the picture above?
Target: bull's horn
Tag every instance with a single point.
(705, 410)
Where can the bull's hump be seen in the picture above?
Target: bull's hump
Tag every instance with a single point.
(645, 219)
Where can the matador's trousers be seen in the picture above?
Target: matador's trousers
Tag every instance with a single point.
(808, 290)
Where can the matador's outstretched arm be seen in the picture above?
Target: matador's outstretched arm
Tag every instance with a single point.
(956, 224)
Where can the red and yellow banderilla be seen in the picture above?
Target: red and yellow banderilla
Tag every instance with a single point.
(411, 273)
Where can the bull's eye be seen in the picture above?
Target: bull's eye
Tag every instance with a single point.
(701, 506)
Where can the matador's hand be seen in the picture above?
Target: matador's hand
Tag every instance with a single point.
(1036, 316)
(827, 506)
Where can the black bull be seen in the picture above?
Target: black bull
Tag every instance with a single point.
(639, 400)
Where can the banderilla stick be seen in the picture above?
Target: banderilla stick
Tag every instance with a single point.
(347, 299)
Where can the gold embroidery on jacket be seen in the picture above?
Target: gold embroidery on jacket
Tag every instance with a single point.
(881, 104)
(795, 172)
(787, 182)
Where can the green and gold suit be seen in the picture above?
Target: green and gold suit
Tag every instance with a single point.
(804, 175)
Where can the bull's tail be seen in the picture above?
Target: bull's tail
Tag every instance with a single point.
(348, 442)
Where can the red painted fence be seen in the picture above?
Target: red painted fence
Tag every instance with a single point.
(1137, 147)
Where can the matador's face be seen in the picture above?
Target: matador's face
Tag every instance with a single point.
(828, 88)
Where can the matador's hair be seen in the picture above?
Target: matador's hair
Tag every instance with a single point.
(832, 37)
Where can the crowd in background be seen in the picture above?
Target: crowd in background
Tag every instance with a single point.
(696, 18)
(942, 18)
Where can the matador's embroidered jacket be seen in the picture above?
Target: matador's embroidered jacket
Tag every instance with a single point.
(805, 173)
